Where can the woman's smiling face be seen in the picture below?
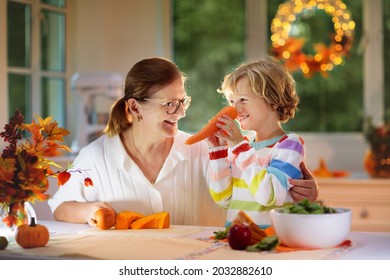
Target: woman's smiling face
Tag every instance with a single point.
(155, 115)
(253, 112)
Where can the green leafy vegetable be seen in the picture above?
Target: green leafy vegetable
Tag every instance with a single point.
(266, 244)
(307, 207)
(221, 234)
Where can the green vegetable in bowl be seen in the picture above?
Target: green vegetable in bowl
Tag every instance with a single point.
(307, 207)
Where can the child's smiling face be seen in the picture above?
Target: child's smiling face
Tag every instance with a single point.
(253, 111)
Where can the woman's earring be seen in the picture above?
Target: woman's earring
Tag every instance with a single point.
(139, 117)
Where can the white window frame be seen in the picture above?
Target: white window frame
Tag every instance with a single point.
(34, 71)
(3, 64)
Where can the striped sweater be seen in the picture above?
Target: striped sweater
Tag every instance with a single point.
(254, 176)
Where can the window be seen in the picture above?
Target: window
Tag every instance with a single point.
(333, 103)
(209, 41)
(36, 55)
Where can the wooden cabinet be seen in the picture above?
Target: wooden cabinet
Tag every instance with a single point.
(369, 200)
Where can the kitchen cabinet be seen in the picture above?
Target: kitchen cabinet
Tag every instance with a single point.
(369, 200)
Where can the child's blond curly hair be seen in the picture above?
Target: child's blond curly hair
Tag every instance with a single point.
(269, 79)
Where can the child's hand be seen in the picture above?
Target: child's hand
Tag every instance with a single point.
(229, 131)
(214, 141)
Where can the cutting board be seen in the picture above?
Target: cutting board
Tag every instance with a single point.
(172, 231)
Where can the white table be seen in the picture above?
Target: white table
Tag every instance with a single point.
(80, 241)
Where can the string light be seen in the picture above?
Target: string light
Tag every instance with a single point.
(289, 49)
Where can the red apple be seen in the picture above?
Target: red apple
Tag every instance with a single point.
(239, 236)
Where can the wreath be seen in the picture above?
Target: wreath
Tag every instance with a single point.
(325, 57)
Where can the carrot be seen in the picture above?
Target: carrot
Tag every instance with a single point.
(211, 126)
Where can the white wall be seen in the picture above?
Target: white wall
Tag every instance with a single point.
(113, 35)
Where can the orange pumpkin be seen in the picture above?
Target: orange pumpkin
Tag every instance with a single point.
(157, 221)
(32, 235)
(323, 172)
(125, 218)
(369, 163)
(105, 218)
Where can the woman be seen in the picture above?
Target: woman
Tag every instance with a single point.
(141, 163)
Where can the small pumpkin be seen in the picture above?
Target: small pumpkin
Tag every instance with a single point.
(32, 235)
(105, 218)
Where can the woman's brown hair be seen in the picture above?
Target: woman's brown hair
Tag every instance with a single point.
(144, 79)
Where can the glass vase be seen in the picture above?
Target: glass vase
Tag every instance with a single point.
(26, 214)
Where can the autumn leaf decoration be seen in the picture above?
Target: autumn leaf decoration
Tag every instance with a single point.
(64, 176)
(24, 166)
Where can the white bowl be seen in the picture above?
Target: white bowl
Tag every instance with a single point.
(312, 231)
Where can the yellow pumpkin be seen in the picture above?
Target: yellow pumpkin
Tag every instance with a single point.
(32, 235)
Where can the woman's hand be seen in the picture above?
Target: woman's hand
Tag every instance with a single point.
(78, 212)
(304, 188)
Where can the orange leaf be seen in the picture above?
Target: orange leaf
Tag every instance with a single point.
(9, 221)
(7, 168)
(51, 150)
(64, 147)
(63, 177)
(88, 182)
(54, 132)
(45, 121)
(37, 194)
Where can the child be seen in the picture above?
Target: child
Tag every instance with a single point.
(253, 176)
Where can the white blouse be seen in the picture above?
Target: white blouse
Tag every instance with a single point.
(181, 187)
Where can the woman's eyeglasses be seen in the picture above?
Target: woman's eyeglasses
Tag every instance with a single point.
(173, 105)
